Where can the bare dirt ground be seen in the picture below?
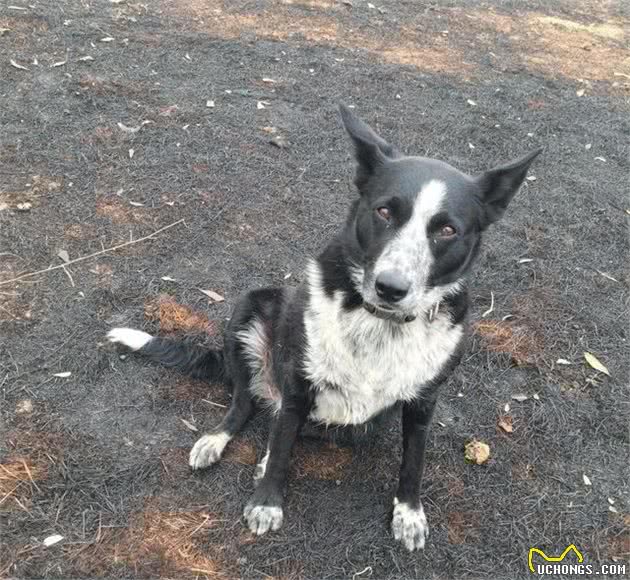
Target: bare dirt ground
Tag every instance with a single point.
(107, 135)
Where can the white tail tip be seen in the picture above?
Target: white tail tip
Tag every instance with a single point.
(131, 338)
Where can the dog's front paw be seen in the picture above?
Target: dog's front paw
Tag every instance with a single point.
(263, 515)
(208, 450)
(409, 525)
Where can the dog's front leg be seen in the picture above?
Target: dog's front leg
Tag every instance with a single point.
(409, 523)
(264, 510)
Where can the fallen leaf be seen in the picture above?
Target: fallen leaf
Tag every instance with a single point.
(63, 255)
(563, 361)
(60, 63)
(269, 129)
(520, 397)
(471, 146)
(471, 103)
(168, 111)
(595, 363)
(25, 407)
(210, 103)
(505, 423)
(51, 540)
(63, 375)
(127, 129)
(279, 141)
(16, 65)
(212, 295)
(189, 425)
(168, 279)
(587, 481)
(476, 452)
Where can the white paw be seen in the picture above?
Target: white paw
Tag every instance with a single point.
(409, 526)
(262, 518)
(261, 468)
(208, 450)
(133, 339)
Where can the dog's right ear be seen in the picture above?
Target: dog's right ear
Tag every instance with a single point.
(370, 149)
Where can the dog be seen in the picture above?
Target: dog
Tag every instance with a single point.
(378, 323)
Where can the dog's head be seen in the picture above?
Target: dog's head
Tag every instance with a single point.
(417, 225)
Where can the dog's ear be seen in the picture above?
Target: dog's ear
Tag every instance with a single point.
(499, 185)
(371, 150)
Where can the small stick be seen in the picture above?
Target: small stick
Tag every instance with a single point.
(82, 258)
(215, 404)
(28, 471)
(491, 309)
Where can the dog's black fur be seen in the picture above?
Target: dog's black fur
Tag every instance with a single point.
(387, 291)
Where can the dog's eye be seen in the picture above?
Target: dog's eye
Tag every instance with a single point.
(447, 231)
(384, 212)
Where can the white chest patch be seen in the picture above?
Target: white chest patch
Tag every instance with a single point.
(361, 365)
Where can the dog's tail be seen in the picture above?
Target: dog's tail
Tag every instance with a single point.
(200, 363)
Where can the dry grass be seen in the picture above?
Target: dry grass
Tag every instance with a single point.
(175, 317)
(461, 527)
(120, 211)
(241, 451)
(321, 25)
(520, 342)
(31, 454)
(328, 462)
(18, 478)
(158, 542)
(559, 47)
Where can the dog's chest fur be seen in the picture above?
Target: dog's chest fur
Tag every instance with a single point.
(360, 365)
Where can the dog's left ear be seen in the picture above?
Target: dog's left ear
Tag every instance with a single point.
(371, 149)
(499, 185)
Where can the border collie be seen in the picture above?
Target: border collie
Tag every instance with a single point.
(379, 321)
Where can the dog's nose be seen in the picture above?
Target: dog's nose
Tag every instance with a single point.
(391, 287)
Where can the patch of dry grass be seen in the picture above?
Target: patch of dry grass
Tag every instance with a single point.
(521, 342)
(321, 462)
(175, 317)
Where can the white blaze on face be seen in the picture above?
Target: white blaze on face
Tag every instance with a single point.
(409, 253)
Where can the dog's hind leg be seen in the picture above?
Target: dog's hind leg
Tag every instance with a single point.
(209, 448)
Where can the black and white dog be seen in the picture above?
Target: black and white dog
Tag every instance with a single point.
(379, 321)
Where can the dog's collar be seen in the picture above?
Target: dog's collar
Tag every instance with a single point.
(394, 317)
